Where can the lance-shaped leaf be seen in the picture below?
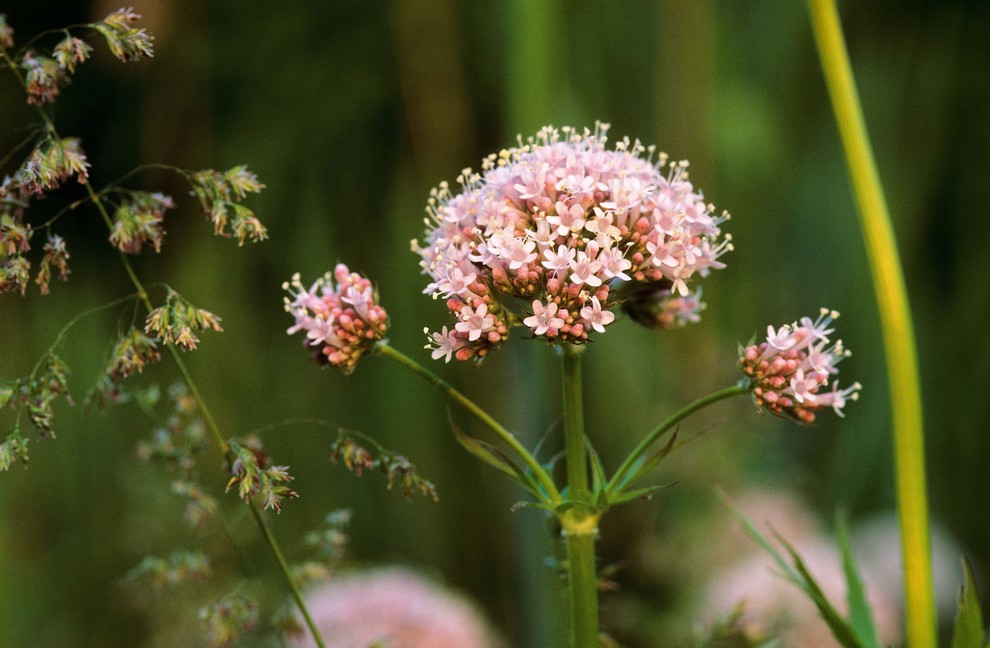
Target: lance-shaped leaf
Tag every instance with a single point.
(797, 573)
(968, 629)
(496, 459)
(860, 614)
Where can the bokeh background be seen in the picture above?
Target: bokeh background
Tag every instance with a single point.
(350, 112)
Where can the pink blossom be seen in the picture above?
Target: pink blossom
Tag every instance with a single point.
(597, 317)
(474, 322)
(393, 607)
(446, 344)
(585, 270)
(544, 319)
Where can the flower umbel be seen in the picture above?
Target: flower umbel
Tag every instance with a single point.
(340, 315)
(553, 233)
(789, 373)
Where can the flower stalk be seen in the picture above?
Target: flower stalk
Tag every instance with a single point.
(895, 321)
(579, 521)
(574, 440)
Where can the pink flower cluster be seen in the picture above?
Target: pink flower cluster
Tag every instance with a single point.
(342, 320)
(555, 232)
(789, 371)
(396, 608)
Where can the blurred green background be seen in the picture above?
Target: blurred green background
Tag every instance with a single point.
(350, 112)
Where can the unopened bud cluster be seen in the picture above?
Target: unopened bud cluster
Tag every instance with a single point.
(339, 314)
(791, 371)
(556, 232)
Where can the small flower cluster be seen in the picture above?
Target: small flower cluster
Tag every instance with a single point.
(563, 226)
(330, 546)
(227, 620)
(13, 448)
(254, 475)
(789, 370)
(51, 162)
(45, 76)
(34, 395)
(220, 195)
(139, 220)
(179, 567)
(396, 468)
(132, 352)
(6, 33)
(340, 315)
(655, 306)
(176, 445)
(125, 41)
(176, 321)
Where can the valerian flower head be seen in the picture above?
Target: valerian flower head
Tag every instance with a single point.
(556, 232)
(339, 314)
(790, 372)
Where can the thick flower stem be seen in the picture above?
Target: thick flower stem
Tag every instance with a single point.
(895, 321)
(574, 444)
(579, 522)
(583, 582)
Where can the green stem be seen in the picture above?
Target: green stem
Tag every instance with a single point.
(579, 522)
(287, 573)
(574, 441)
(521, 452)
(895, 321)
(583, 582)
(619, 480)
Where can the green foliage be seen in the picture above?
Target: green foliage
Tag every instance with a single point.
(731, 632)
(858, 630)
(968, 631)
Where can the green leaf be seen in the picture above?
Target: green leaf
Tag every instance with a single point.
(646, 465)
(860, 614)
(636, 493)
(968, 629)
(496, 459)
(797, 573)
(840, 627)
(598, 479)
